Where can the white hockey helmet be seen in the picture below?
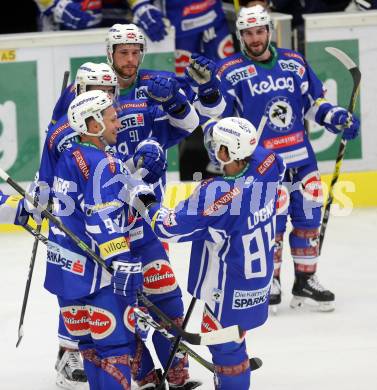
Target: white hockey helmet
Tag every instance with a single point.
(88, 104)
(237, 134)
(90, 73)
(126, 34)
(255, 16)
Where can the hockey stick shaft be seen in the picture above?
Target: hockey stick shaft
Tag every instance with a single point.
(231, 333)
(33, 252)
(356, 77)
(176, 343)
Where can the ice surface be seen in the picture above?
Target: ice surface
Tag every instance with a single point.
(300, 350)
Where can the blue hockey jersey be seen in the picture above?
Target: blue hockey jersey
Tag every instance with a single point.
(284, 91)
(231, 221)
(87, 198)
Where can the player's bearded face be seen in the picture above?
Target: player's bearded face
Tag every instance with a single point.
(127, 59)
(256, 40)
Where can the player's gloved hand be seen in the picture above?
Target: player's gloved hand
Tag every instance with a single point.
(36, 201)
(339, 119)
(150, 19)
(71, 15)
(165, 91)
(202, 74)
(127, 279)
(141, 326)
(150, 156)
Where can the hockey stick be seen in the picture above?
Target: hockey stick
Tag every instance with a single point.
(37, 232)
(236, 5)
(356, 77)
(231, 333)
(176, 344)
(255, 362)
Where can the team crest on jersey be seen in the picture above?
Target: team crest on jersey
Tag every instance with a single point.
(170, 219)
(311, 188)
(141, 93)
(102, 322)
(209, 322)
(280, 114)
(292, 66)
(76, 320)
(239, 74)
(159, 277)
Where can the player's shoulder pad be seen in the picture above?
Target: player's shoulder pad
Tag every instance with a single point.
(228, 63)
(288, 54)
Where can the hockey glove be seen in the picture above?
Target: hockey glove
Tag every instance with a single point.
(70, 14)
(165, 91)
(150, 19)
(128, 279)
(202, 74)
(338, 119)
(39, 192)
(150, 156)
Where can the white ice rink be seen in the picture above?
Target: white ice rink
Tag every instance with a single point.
(300, 350)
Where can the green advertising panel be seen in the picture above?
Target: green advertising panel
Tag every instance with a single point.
(19, 121)
(338, 83)
(157, 61)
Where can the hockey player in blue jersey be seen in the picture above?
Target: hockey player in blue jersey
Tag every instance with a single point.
(231, 223)
(86, 199)
(264, 83)
(200, 27)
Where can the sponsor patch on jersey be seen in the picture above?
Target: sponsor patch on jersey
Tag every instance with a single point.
(125, 106)
(209, 322)
(266, 164)
(159, 277)
(226, 47)
(292, 66)
(198, 7)
(182, 61)
(295, 155)
(280, 114)
(284, 141)
(114, 247)
(311, 188)
(228, 64)
(141, 93)
(81, 163)
(282, 202)
(293, 55)
(239, 74)
(245, 299)
(271, 84)
(101, 322)
(68, 261)
(198, 21)
(136, 233)
(56, 133)
(112, 205)
(76, 320)
(131, 120)
(129, 319)
(222, 201)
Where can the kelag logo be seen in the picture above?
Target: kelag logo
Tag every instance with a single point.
(338, 85)
(19, 123)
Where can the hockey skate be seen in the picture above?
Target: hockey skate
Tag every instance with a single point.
(307, 290)
(275, 295)
(70, 370)
(188, 385)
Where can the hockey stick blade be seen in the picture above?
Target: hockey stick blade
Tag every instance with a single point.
(254, 362)
(224, 335)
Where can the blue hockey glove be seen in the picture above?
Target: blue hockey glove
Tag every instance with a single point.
(338, 119)
(127, 279)
(69, 14)
(165, 91)
(150, 19)
(202, 74)
(150, 156)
